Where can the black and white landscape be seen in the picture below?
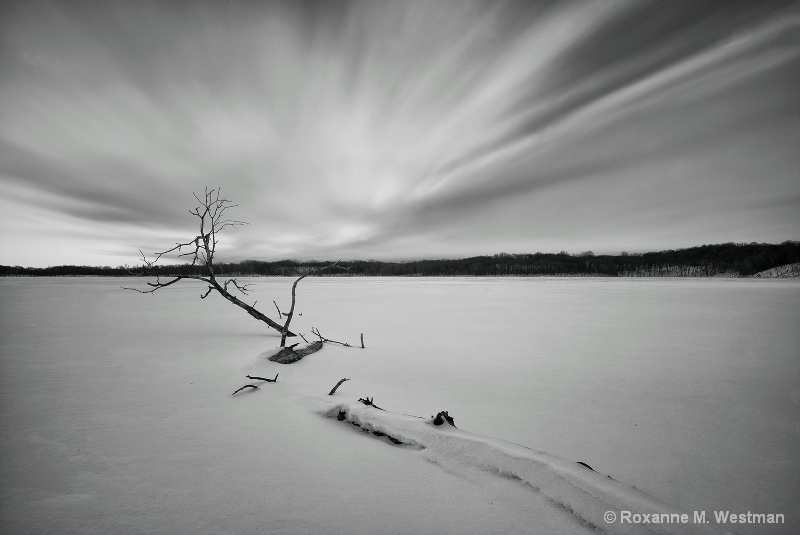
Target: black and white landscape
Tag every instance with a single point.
(653, 143)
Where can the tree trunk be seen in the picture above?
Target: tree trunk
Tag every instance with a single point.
(287, 355)
(250, 310)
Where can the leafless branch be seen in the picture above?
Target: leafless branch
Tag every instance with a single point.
(368, 402)
(158, 284)
(242, 388)
(323, 339)
(244, 288)
(294, 291)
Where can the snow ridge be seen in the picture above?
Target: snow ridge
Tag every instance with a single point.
(562, 486)
(342, 412)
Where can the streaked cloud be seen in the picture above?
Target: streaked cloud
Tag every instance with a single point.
(398, 129)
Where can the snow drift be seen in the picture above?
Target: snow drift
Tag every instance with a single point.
(558, 487)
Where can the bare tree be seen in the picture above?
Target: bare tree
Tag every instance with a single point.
(201, 250)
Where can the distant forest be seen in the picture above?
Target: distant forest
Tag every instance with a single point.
(724, 260)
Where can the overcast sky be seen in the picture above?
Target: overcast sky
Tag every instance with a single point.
(397, 129)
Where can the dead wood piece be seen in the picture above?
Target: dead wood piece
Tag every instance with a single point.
(362, 340)
(288, 355)
(442, 417)
(333, 390)
(245, 386)
(285, 356)
(256, 377)
(313, 347)
(369, 403)
(323, 339)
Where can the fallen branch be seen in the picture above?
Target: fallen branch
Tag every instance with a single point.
(362, 340)
(368, 402)
(337, 386)
(245, 386)
(323, 339)
(256, 377)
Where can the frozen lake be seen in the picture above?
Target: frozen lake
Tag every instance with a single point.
(688, 389)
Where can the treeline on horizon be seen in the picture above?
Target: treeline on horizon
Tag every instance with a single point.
(728, 259)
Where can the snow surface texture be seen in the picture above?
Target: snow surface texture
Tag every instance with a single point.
(116, 414)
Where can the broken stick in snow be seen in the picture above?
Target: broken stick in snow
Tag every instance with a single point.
(337, 386)
(368, 401)
(245, 386)
(256, 377)
(323, 339)
(362, 340)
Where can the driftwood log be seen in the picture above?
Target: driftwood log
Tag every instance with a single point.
(287, 355)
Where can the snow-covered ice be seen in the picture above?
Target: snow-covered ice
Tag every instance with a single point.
(116, 414)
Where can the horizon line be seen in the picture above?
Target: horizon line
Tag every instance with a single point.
(560, 253)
